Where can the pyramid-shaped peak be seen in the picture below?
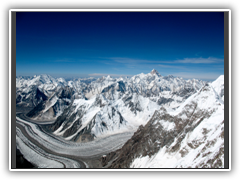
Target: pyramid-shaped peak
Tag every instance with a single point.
(108, 77)
(154, 71)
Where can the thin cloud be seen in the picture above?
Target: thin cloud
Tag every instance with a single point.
(209, 60)
(200, 60)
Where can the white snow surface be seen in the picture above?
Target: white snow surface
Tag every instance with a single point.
(198, 146)
(168, 126)
(140, 118)
(218, 86)
(112, 117)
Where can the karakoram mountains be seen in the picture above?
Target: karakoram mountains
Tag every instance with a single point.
(146, 121)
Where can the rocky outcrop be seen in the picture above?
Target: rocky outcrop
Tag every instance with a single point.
(170, 134)
(146, 141)
(21, 162)
(51, 107)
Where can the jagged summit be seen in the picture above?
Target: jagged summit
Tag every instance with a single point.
(154, 71)
(108, 77)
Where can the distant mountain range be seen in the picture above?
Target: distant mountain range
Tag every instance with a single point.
(177, 122)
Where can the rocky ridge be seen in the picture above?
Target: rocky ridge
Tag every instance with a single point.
(190, 137)
(84, 109)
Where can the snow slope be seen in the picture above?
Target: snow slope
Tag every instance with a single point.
(218, 86)
(200, 147)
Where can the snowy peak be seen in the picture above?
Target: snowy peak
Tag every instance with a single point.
(46, 79)
(219, 81)
(218, 86)
(191, 136)
(155, 72)
(108, 77)
(167, 91)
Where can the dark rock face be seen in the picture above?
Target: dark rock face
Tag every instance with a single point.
(133, 106)
(186, 92)
(64, 118)
(18, 98)
(99, 102)
(121, 87)
(73, 128)
(148, 139)
(168, 77)
(85, 134)
(20, 108)
(222, 93)
(121, 119)
(155, 72)
(164, 100)
(64, 98)
(65, 92)
(127, 99)
(40, 96)
(105, 160)
(30, 99)
(34, 112)
(21, 162)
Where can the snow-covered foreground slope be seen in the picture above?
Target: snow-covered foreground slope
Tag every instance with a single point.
(192, 136)
(200, 144)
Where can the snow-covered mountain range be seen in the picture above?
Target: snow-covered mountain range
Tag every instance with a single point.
(192, 136)
(105, 105)
(177, 122)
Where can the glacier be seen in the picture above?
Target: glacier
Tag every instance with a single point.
(103, 118)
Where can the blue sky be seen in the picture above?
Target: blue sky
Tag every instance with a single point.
(186, 44)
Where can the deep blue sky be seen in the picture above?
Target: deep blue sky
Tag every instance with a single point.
(186, 44)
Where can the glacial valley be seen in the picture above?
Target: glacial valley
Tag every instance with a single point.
(143, 121)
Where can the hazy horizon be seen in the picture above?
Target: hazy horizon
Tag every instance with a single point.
(82, 76)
